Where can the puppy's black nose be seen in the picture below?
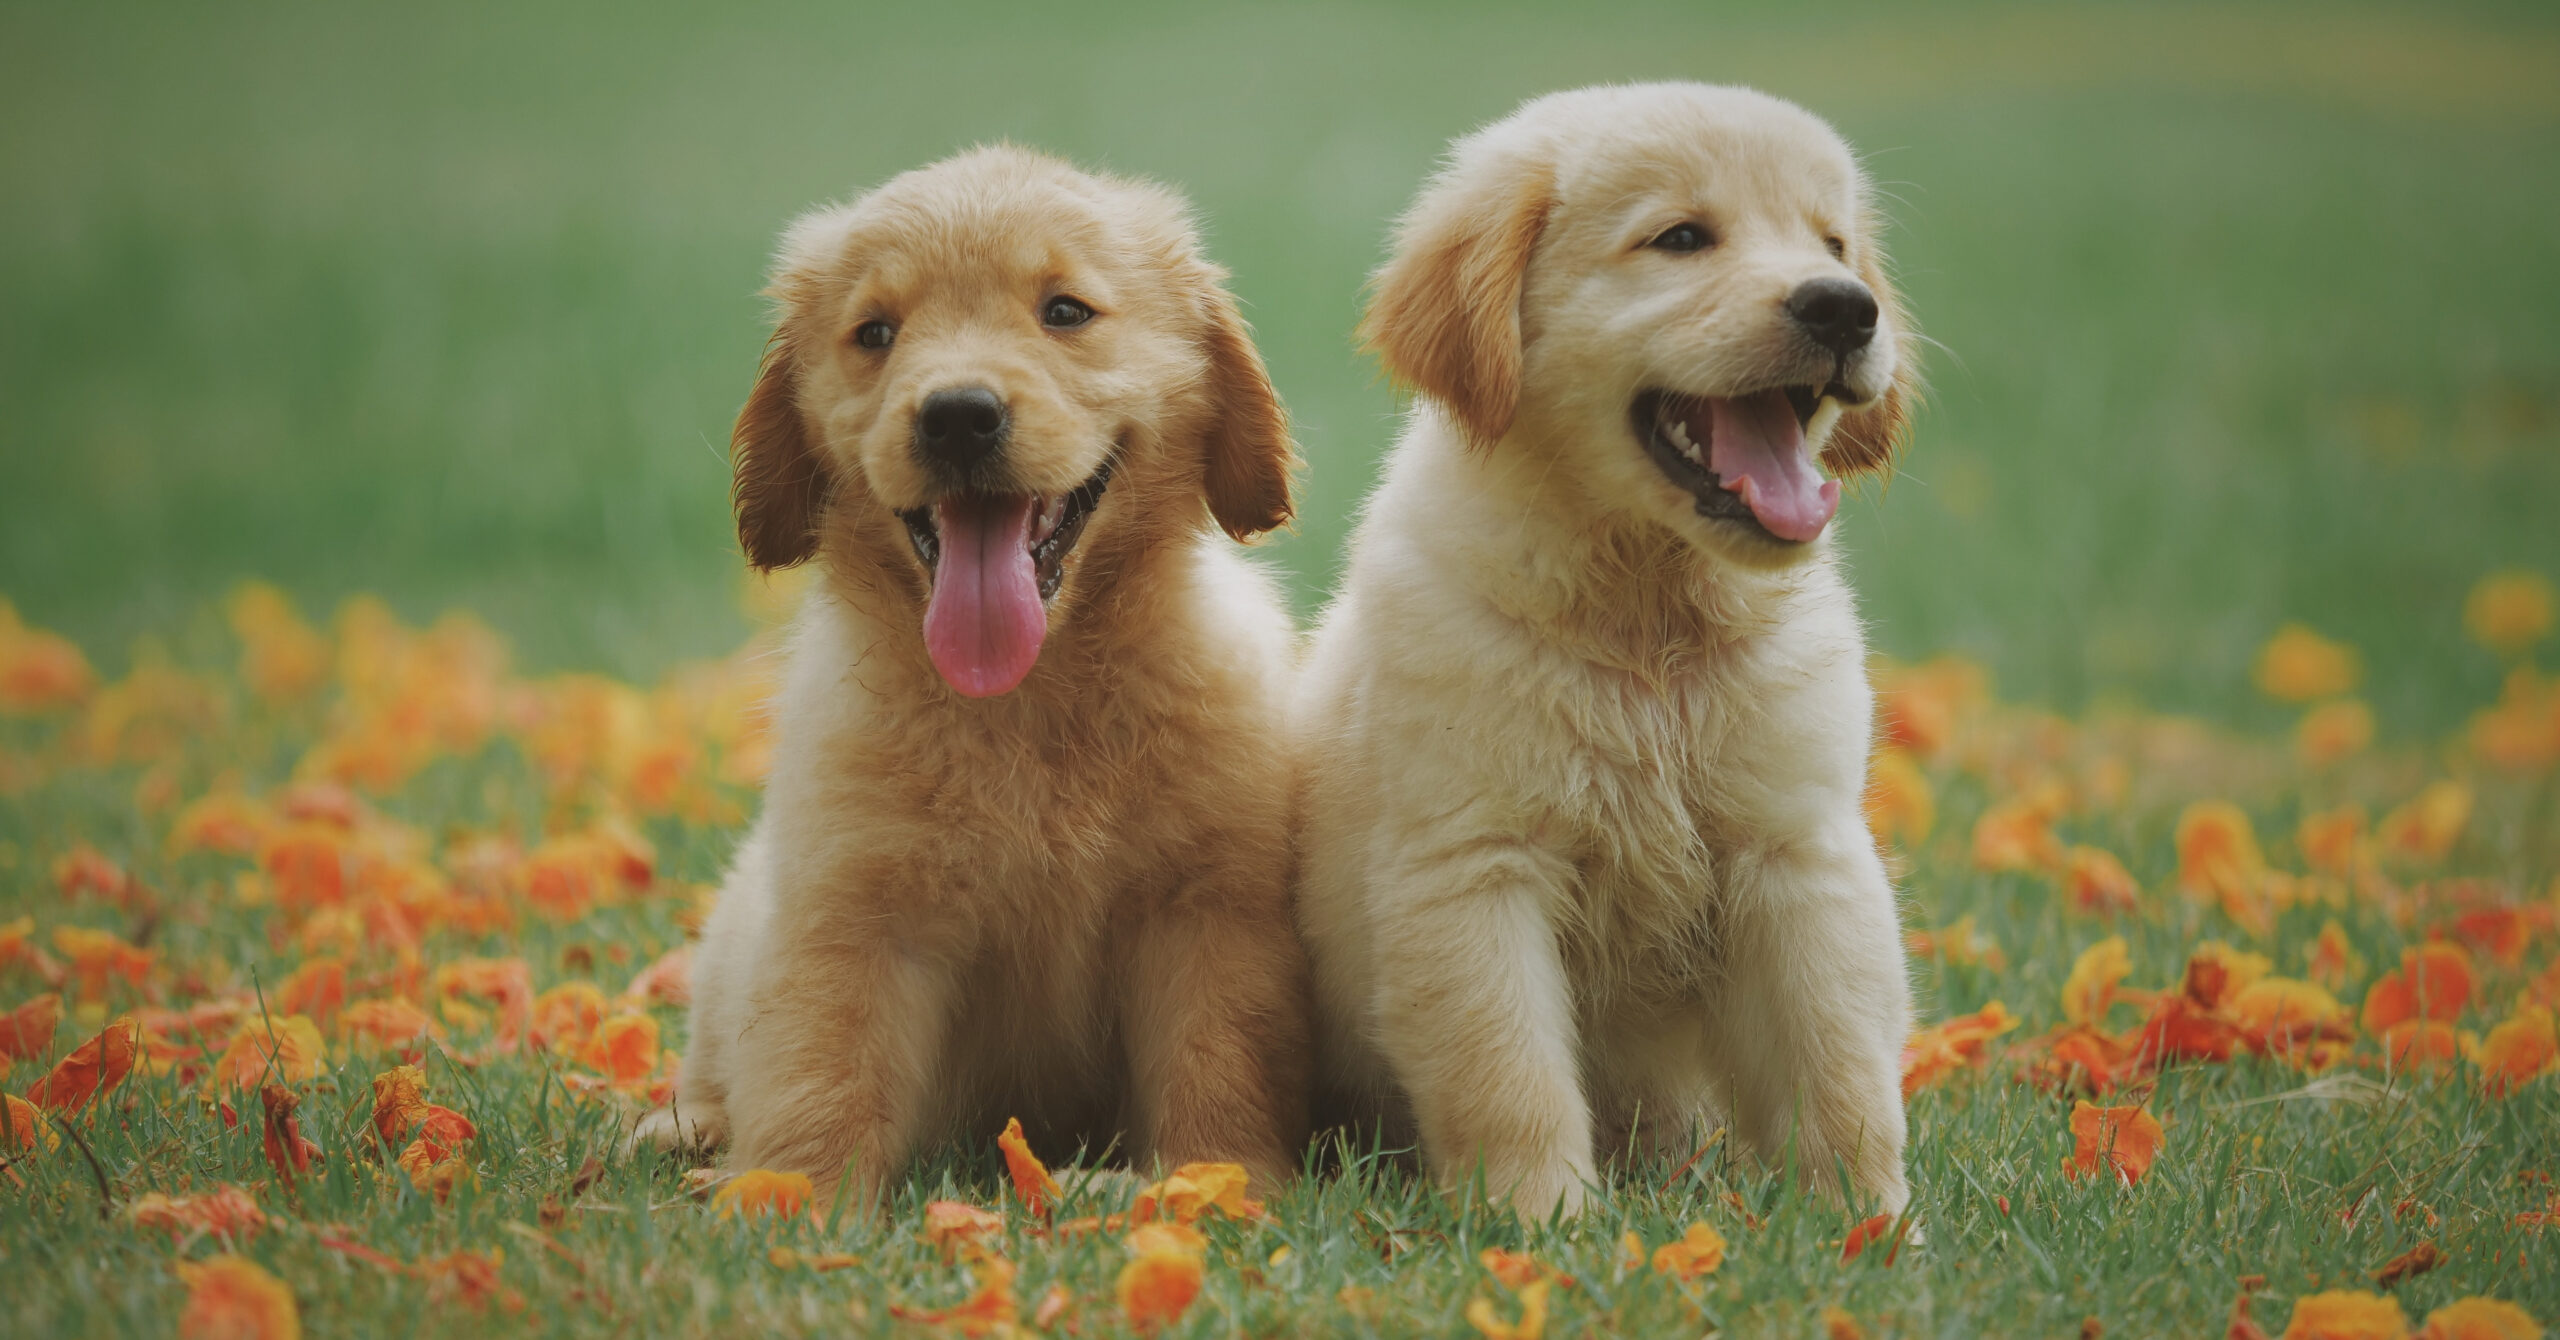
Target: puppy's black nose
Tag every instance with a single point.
(1839, 314)
(960, 426)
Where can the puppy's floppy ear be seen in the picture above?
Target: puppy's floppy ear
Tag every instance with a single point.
(1444, 311)
(780, 481)
(1250, 456)
(1866, 438)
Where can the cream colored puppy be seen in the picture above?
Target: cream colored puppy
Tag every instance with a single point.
(1587, 727)
(1025, 847)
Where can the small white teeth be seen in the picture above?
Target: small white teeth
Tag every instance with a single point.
(1817, 430)
(1678, 432)
(1051, 513)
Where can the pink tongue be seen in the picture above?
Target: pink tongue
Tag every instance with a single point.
(984, 625)
(1758, 451)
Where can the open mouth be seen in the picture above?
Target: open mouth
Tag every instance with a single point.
(1746, 459)
(996, 561)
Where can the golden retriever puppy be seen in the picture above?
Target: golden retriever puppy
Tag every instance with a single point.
(1586, 728)
(1024, 848)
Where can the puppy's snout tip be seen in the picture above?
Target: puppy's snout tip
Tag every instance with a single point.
(1838, 314)
(961, 425)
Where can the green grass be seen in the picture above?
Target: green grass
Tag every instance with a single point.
(2260, 1168)
(2243, 314)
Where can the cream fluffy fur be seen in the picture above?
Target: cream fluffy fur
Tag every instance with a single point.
(1069, 902)
(1583, 859)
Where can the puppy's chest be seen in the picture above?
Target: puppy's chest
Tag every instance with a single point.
(1653, 802)
(1057, 834)
(1058, 817)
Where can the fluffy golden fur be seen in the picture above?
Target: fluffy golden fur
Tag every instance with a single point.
(1067, 902)
(1584, 864)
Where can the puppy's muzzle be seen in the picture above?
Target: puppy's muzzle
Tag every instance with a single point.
(1838, 314)
(960, 430)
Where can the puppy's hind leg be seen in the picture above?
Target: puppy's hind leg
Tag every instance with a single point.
(724, 967)
(682, 1126)
(698, 1119)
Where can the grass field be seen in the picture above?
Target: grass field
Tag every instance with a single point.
(2244, 317)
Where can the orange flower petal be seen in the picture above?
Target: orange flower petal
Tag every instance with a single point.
(27, 1031)
(1031, 1179)
(225, 821)
(2509, 611)
(1193, 1190)
(23, 1125)
(269, 1050)
(624, 1048)
(2095, 975)
(949, 1224)
(1898, 801)
(2417, 1260)
(2346, 1315)
(226, 1212)
(232, 1298)
(92, 1068)
(990, 1310)
(2017, 834)
(318, 989)
(2333, 731)
(1532, 1322)
(667, 981)
(761, 1192)
(2298, 665)
(505, 983)
(2097, 883)
(281, 1133)
(470, 1277)
(2218, 855)
(2280, 1014)
(2479, 1319)
(2333, 961)
(1700, 1251)
(100, 958)
(389, 1024)
(2426, 828)
(565, 1018)
(2518, 1050)
(2125, 1139)
(1516, 1269)
(1940, 1049)
(2433, 981)
(1863, 1234)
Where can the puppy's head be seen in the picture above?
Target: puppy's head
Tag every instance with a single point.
(1676, 290)
(1003, 374)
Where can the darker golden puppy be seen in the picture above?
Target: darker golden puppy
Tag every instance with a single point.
(1024, 847)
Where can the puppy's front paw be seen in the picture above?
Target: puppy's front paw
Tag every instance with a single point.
(669, 1130)
(1556, 1190)
(1533, 1203)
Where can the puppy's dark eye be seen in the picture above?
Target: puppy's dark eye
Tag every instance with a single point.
(1682, 237)
(1839, 249)
(875, 334)
(1064, 313)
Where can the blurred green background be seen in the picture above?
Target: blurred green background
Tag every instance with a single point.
(2244, 314)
